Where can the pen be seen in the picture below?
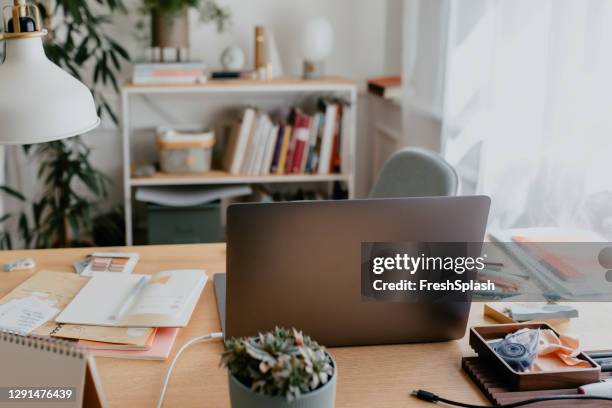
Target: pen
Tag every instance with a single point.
(495, 294)
(129, 299)
(599, 354)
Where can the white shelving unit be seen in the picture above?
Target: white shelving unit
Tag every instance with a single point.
(236, 89)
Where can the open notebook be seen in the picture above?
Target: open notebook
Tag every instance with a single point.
(166, 299)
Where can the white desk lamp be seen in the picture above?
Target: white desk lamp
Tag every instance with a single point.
(39, 102)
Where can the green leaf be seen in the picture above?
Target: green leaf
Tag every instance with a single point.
(12, 192)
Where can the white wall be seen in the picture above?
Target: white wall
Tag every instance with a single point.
(362, 29)
(359, 52)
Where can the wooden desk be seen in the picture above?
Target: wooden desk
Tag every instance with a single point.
(381, 376)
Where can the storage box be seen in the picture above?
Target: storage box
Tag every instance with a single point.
(185, 150)
(571, 378)
(184, 225)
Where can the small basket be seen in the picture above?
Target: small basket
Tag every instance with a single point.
(185, 150)
(570, 378)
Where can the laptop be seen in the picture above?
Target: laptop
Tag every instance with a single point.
(298, 264)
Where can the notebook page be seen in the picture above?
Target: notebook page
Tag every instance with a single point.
(170, 295)
(100, 299)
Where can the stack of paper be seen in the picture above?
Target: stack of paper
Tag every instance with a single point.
(115, 315)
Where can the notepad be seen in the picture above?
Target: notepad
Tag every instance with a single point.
(167, 299)
(159, 350)
(41, 363)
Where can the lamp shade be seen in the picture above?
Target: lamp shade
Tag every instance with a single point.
(317, 39)
(39, 102)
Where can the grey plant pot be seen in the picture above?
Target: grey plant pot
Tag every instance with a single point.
(242, 397)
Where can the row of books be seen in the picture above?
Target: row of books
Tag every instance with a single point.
(316, 143)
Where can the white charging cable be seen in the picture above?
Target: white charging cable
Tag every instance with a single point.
(211, 336)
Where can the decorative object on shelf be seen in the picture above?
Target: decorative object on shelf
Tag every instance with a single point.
(185, 150)
(39, 101)
(275, 69)
(280, 369)
(317, 45)
(170, 21)
(260, 40)
(233, 58)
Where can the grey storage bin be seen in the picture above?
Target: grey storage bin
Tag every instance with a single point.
(184, 225)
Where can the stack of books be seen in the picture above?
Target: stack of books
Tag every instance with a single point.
(389, 87)
(175, 73)
(315, 143)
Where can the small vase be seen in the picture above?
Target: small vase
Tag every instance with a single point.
(242, 397)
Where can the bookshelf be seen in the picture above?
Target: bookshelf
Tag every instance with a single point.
(228, 92)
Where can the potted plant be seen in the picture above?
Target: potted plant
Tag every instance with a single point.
(170, 20)
(279, 369)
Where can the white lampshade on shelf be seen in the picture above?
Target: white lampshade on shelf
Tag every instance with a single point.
(317, 45)
(39, 102)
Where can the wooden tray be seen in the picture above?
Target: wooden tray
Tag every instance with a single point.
(493, 386)
(515, 380)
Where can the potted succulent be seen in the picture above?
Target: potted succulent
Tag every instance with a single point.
(279, 369)
(170, 21)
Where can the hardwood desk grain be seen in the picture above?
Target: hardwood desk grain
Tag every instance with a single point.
(377, 376)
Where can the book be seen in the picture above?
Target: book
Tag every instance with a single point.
(238, 142)
(301, 136)
(160, 347)
(312, 142)
(165, 299)
(270, 146)
(260, 146)
(513, 312)
(287, 135)
(388, 87)
(331, 112)
(277, 149)
(169, 73)
(126, 336)
(334, 166)
(247, 164)
(103, 345)
(292, 144)
(345, 140)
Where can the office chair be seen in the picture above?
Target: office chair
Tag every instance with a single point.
(415, 172)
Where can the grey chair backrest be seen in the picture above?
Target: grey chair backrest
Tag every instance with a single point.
(415, 172)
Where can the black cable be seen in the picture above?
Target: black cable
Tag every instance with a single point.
(431, 397)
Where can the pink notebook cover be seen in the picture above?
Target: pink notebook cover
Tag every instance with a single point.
(160, 349)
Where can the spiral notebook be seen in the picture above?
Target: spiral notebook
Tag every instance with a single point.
(38, 371)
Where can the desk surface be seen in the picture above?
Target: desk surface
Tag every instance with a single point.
(380, 376)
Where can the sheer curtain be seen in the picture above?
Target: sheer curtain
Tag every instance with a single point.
(527, 115)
